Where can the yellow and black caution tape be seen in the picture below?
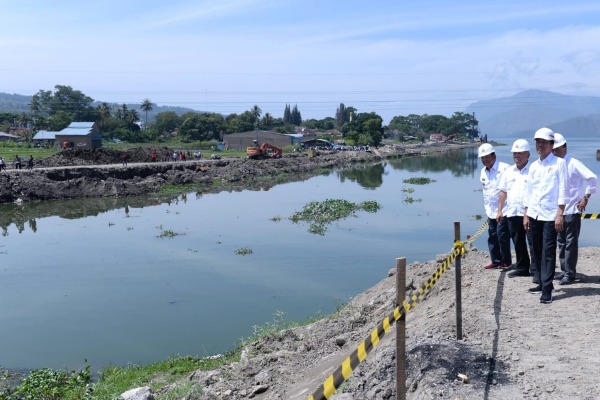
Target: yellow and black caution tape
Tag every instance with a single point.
(343, 372)
(479, 232)
(590, 216)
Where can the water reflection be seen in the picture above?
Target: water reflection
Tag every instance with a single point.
(367, 176)
(27, 214)
(463, 162)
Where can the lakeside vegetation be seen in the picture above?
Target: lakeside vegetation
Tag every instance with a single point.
(54, 110)
(168, 379)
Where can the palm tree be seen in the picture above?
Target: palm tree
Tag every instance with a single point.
(103, 113)
(256, 112)
(145, 107)
(267, 120)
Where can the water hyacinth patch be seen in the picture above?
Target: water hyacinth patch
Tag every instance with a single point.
(321, 213)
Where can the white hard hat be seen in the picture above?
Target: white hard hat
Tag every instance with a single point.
(486, 149)
(520, 145)
(559, 140)
(544, 133)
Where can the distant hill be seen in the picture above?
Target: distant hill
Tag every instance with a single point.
(529, 110)
(14, 103)
(17, 103)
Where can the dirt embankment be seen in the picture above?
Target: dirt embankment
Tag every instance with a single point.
(98, 173)
(513, 346)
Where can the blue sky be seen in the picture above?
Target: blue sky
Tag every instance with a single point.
(391, 57)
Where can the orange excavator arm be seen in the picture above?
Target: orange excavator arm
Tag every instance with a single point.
(276, 150)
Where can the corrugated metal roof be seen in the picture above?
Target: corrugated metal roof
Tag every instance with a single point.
(77, 129)
(81, 125)
(45, 135)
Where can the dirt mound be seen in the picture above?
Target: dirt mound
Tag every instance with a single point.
(101, 156)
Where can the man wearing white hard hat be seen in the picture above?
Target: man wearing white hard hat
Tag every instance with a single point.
(498, 233)
(513, 194)
(581, 185)
(547, 197)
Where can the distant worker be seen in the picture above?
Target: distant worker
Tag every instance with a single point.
(30, 162)
(17, 162)
(498, 232)
(581, 185)
(546, 200)
(2, 164)
(513, 194)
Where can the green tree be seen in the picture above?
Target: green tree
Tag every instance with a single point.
(267, 121)
(364, 129)
(205, 126)
(256, 112)
(59, 121)
(287, 115)
(64, 99)
(166, 121)
(240, 123)
(146, 107)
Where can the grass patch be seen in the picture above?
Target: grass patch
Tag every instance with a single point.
(174, 371)
(319, 214)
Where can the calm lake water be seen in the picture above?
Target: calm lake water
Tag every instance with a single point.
(92, 279)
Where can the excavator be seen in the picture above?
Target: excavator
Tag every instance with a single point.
(265, 150)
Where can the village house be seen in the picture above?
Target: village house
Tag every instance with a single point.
(77, 134)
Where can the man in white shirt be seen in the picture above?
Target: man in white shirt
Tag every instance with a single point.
(581, 185)
(498, 233)
(546, 200)
(513, 194)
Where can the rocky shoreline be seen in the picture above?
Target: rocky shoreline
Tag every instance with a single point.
(99, 173)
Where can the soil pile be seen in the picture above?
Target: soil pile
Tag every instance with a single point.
(513, 346)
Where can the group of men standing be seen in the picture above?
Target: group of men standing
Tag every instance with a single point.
(538, 206)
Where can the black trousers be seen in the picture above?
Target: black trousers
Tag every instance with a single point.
(522, 242)
(544, 237)
(499, 241)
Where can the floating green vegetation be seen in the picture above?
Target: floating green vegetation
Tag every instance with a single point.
(477, 217)
(319, 214)
(243, 251)
(276, 218)
(411, 200)
(167, 233)
(408, 190)
(419, 181)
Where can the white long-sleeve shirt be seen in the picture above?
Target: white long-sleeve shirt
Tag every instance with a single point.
(514, 184)
(582, 181)
(491, 192)
(546, 187)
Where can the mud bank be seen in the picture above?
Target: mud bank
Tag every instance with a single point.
(100, 173)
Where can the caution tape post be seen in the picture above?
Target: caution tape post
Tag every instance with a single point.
(343, 372)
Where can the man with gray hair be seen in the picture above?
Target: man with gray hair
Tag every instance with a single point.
(581, 185)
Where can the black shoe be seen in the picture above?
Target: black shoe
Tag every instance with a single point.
(566, 280)
(535, 290)
(546, 298)
(518, 272)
